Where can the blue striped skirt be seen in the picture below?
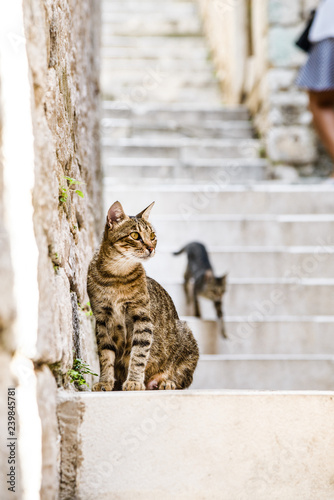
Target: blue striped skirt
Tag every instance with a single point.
(318, 72)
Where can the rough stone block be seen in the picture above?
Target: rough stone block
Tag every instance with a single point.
(282, 49)
(289, 108)
(284, 12)
(285, 173)
(294, 145)
(280, 79)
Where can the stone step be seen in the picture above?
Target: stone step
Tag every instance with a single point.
(130, 69)
(180, 8)
(192, 45)
(263, 297)
(177, 171)
(157, 51)
(238, 262)
(154, 76)
(145, 11)
(181, 112)
(116, 128)
(173, 91)
(180, 148)
(154, 84)
(154, 24)
(265, 373)
(245, 230)
(193, 445)
(218, 196)
(265, 335)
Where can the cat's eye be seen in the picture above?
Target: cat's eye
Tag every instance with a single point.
(135, 236)
(152, 236)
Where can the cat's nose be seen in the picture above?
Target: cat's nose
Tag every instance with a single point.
(150, 249)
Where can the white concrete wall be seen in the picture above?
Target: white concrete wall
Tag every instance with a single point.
(193, 445)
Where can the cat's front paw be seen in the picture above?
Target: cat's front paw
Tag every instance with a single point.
(167, 385)
(130, 385)
(103, 386)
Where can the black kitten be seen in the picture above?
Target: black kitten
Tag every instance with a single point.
(205, 284)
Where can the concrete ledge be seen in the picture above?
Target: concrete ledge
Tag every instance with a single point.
(200, 444)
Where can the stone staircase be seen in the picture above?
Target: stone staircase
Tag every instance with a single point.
(201, 163)
(279, 258)
(166, 136)
(155, 51)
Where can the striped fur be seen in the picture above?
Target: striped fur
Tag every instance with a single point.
(141, 341)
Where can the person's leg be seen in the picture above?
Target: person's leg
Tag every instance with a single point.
(322, 108)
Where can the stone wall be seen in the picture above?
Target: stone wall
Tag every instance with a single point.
(49, 91)
(63, 55)
(253, 43)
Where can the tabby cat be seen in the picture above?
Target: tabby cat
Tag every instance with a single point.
(205, 284)
(142, 344)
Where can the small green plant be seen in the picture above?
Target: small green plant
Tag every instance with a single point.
(262, 152)
(86, 309)
(70, 186)
(56, 261)
(79, 369)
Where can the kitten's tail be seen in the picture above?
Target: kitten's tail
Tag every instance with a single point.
(180, 251)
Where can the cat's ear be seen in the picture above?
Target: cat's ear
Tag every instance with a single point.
(146, 212)
(116, 214)
(222, 280)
